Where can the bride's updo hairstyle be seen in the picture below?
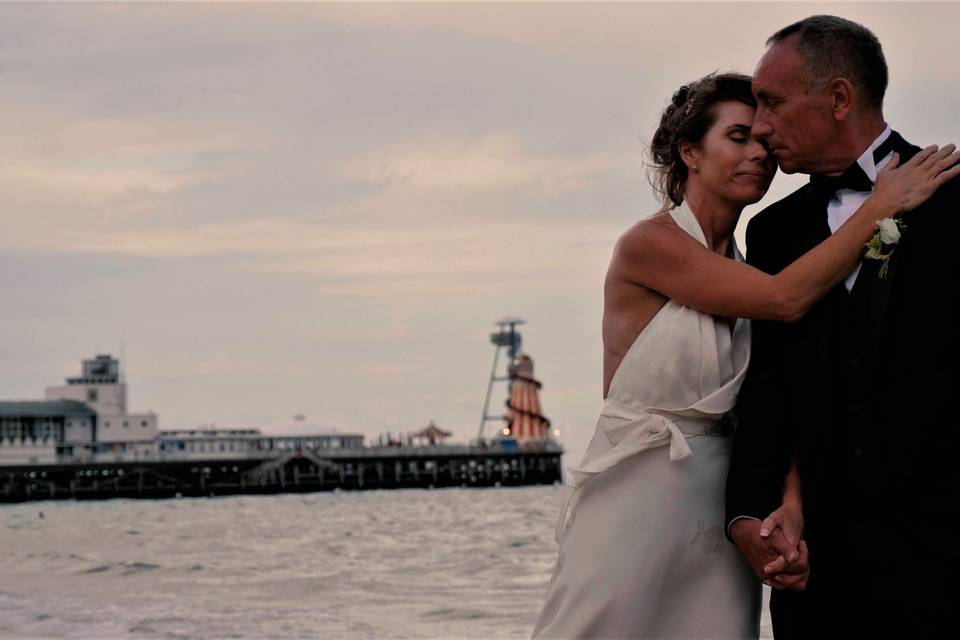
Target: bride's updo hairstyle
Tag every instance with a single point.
(687, 118)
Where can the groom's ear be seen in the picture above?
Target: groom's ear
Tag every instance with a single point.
(841, 94)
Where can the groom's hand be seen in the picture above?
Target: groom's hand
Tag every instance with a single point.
(790, 575)
(775, 560)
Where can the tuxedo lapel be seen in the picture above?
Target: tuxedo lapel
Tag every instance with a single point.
(868, 303)
(880, 289)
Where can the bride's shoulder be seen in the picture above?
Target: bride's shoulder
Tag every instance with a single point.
(650, 241)
(656, 228)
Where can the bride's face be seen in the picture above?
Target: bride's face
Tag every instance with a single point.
(729, 163)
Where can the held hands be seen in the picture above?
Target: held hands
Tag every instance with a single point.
(777, 561)
(789, 570)
(907, 187)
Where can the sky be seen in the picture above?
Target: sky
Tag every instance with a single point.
(321, 209)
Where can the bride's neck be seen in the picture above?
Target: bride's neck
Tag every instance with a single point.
(717, 217)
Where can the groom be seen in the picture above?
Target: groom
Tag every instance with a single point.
(859, 392)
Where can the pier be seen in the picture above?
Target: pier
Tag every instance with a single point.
(297, 471)
(82, 443)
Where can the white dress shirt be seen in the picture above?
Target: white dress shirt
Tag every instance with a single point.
(845, 202)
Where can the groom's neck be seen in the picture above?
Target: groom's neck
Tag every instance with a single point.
(855, 137)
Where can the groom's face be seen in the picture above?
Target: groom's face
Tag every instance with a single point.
(794, 120)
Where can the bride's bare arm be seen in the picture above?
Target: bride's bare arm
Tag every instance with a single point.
(660, 256)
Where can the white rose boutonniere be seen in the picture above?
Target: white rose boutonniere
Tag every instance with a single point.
(883, 242)
(889, 231)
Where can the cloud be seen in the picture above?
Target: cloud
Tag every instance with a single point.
(383, 261)
(469, 165)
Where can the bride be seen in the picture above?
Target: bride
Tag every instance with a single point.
(642, 551)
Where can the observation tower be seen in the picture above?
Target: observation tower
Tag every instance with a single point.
(523, 418)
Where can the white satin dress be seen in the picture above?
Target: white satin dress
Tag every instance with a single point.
(642, 547)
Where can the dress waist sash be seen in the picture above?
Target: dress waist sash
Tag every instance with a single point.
(631, 430)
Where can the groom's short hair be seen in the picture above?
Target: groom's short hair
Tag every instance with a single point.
(833, 47)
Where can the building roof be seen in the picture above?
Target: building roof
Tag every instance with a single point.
(301, 426)
(431, 431)
(209, 433)
(45, 409)
(256, 434)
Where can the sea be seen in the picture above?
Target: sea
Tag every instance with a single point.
(410, 563)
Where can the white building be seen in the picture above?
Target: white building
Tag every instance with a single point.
(223, 444)
(86, 420)
(101, 388)
(31, 431)
(81, 420)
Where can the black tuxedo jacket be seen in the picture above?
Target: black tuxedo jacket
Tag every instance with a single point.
(861, 392)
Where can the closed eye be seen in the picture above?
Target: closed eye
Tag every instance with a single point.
(768, 101)
(739, 133)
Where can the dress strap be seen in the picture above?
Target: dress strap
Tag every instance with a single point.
(683, 215)
(686, 220)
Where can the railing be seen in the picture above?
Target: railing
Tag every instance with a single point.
(495, 447)
(541, 446)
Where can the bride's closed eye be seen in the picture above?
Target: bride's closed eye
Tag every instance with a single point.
(739, 133)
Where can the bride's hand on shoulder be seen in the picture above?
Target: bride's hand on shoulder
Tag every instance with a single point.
(909, 185)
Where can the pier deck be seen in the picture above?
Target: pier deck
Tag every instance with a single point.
(302, 470)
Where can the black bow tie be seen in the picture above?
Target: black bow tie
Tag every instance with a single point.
(853, 178)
